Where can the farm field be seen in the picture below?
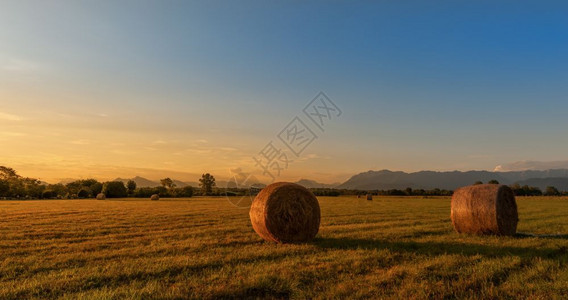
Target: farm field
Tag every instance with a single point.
(205, 248)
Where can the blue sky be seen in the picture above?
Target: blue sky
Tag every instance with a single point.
(438, 85)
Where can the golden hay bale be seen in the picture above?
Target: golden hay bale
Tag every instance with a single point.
(285, 212)
(101, 196)
(155, 197)
(369, 197)
(485, 209)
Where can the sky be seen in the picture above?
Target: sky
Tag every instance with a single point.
(110, 89)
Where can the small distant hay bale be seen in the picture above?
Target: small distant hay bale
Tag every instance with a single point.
(285, 212)
(101, 196)
(485, 209)
(369, 197)
(155, 197)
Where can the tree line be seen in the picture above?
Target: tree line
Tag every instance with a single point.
(14, 186)
(527, 190)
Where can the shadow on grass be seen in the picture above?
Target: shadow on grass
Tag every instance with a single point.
(437, 248)
(542, 236)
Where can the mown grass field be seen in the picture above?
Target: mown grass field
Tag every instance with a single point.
(206, 248)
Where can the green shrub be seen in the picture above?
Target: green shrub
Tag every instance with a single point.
(49, 194)
(185, 192)
(114, 189)
(83, 193)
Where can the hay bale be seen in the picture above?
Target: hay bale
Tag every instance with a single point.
(485, 209)
(285, 212)
(155, 197)
(101, 196)
(358, 196)
(369, 197)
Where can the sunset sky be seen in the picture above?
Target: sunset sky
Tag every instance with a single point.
(110, 89)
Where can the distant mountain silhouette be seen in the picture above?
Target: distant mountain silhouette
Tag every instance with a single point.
(143, 182)
(314, 184)
(386, 179)
(140, 181)
(231, 184)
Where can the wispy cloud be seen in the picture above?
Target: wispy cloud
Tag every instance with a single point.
(80, 142)
(123, 152)
(311, 156)
(227, 149)
(198, 151)
(19, 65)
(8, 133)
(532, 165)
(9, 117)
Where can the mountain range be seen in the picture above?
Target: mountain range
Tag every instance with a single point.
(386, 179)
(143, 182)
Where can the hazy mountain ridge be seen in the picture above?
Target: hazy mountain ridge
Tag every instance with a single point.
(312, 184)
(144, 182)
(386, 179)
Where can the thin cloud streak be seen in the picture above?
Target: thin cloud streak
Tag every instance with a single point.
(20, 65)
(10, 117)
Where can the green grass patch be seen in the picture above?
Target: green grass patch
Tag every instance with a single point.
(391, 247)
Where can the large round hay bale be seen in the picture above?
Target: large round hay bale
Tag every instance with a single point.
(101, 196)
(155, 197)
(485, 209)
(369, 197)
(285, 212)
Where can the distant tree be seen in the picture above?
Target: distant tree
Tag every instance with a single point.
(114, 189)
(317, 191)
(408, 191)
(529, 191)
(49, 194)
(14, 185)
(131, 186)
(145, 192)
(74, 187)
(4, 188)
(8, 173)
(396, 192)
(89, 182)
(92, 186)
(26, 187)
(207, 182)
(162, 191)
(419, 192)
(551, 191)
(186, 191)
(167, 183)
(83, 193)
(96, 189)
(58, 189)
(10, 184)
(493, 181)
(478, 182)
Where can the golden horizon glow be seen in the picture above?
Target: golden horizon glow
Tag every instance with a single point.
(179, 90)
